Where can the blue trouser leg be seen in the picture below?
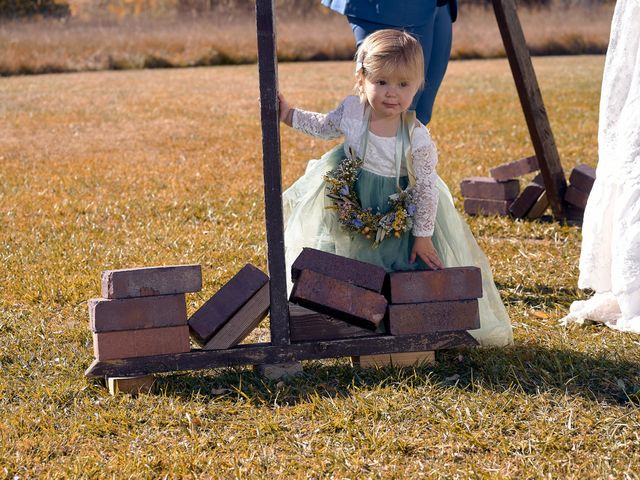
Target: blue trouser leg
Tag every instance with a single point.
(435, 38)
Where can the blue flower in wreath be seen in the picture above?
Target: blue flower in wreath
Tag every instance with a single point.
(344, 190)
(411, 209)
(356, 222)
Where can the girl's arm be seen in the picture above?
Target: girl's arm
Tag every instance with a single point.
(321, 125)
(425, 157)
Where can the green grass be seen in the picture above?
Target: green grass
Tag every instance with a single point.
(121, 169)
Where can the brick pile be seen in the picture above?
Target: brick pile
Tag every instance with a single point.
(142, 312)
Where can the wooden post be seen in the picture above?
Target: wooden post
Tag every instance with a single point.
(268, 73)
(532, 104)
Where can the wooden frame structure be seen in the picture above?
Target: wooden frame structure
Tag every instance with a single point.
(281, 349)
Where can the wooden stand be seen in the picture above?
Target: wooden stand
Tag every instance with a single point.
(281, 350)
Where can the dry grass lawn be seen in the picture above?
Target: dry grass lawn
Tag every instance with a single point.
(121, 169)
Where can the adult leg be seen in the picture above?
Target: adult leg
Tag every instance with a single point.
(436, 43)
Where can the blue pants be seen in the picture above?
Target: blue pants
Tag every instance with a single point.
(435, 38)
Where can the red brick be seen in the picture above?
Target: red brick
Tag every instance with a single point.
(457, 283)
(582, 177)
(479, 206)
(151, 281)
(539, 207)
(107, 315)
(414, 318)
(339, 299)
(216, 311)
(515, 169)
(489, 188)
(576, 197)
(242, 322)
(140, 343)
(306, 325)
(528, 198)
(358, 273)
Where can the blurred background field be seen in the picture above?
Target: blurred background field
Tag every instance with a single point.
(116, 169)
(40, 36)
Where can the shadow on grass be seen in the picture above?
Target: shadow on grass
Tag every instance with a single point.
(530, 370)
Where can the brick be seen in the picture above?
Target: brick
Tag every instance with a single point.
(358, 273)
(515, 169)
(414, 318)
(339, 299)
(216, 311)
(576, 197)
(489, 188)
(140, 343)
(372, 361)
(107, 315)
(582, 177)
(457, 283)
(306, 325)
(131, 385)
(413, 359)
(279, 371)
(539, 207)
(573, 213)
(479, 206)
(242, 322)
(528, 198)
(150, 281)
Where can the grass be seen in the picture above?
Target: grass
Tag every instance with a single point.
(228, 37)
(121, 169)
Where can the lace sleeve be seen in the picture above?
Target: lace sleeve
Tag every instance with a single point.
(425, 157)
(321, 125)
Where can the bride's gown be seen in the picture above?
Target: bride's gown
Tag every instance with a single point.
(610, 255)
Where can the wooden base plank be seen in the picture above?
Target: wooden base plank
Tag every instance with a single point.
(131, 385)
(255, 354)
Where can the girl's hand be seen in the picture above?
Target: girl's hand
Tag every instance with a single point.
(423, 247)
(286, 112)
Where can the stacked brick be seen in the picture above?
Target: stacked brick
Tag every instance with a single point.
(580, 184)
(500, 193)
(143, 311)
(232, 312)
(335, 297)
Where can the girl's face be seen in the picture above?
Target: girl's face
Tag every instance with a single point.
(390, 94)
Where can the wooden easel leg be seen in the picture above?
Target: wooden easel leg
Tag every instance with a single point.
(532, 104)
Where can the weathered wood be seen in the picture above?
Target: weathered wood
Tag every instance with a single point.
(515, 169)
(582, 177)
(242, 322)
(265, 353)
(130, 385)
(306, 325)
(358, 273)
(480, 206)
(528, 198)
(399, 359)
(489, 188)
(216, 311)
(339, 299)
(531, 101)
(268, 75)
(150, 281)
(413, 318)
(456, 283)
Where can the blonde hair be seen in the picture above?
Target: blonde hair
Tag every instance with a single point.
(387, 52)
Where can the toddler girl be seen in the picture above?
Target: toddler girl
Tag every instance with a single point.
(377, 197)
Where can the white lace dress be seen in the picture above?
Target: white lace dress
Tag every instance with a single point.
(308, 223)
(610, 255)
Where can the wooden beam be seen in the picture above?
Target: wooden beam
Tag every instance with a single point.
(268, 73)
(531, 101)
(256, 354)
